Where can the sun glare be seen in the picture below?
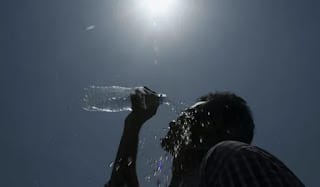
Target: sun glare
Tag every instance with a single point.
(157, 8)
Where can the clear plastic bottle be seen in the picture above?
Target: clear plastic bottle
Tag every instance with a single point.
(110, 98)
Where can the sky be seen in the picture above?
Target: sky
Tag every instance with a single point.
(265, 51)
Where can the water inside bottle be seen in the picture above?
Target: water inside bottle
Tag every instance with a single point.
(106, 99)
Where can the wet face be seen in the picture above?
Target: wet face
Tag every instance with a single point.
(192, 130)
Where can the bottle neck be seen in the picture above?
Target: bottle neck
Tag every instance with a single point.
(163, 99)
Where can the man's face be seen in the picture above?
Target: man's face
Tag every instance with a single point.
(189, 131)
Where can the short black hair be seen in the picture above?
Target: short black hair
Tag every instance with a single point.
(234, 112)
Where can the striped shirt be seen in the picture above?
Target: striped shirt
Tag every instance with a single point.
(236, 164)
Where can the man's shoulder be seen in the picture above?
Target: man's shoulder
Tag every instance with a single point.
(244, 161)
(226, 151)
(227, 148)
(222, 152)
(229, 145)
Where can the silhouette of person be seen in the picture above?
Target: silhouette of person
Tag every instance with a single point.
(209, 142)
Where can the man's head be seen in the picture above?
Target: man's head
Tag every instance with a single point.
(214, 118)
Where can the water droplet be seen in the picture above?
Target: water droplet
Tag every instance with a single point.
(129, 161)
(117, 168)
(147, 178)
(111, 164)
(90, 27)
(200, 140)
(209, 113)
(159, 168)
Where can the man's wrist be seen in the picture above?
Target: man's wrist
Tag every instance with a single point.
(134, 121)
(137, 117)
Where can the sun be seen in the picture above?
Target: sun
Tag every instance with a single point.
(157, 8)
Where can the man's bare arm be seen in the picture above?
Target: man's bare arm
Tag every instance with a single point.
(124, 168)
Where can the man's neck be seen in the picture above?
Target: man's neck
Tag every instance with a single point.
(186, 162)
(185, 170)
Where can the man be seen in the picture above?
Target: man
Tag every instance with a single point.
(209, 142)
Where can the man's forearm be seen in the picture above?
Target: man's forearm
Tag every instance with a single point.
(124, 168)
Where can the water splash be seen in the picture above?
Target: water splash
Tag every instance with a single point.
(161, 171)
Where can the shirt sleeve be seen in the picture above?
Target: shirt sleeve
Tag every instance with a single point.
(238, 164)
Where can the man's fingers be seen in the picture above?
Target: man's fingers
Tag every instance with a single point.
(153, 92)
(145, 99)
(134, 99)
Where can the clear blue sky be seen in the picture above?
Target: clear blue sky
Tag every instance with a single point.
(265, 51)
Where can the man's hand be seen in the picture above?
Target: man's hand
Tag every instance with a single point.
(145, 103)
